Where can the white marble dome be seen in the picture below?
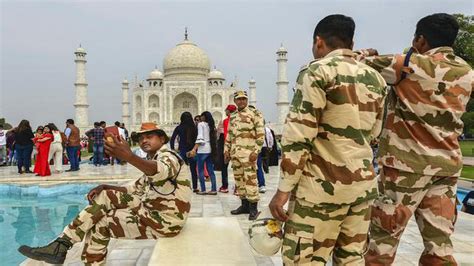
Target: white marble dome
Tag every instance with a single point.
(155, 74)
(216, 74)
(186, 58)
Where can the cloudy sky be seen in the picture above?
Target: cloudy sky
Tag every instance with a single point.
(128, 38)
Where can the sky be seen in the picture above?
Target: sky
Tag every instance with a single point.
(124, 39)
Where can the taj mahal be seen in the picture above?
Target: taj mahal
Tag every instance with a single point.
(187, 83)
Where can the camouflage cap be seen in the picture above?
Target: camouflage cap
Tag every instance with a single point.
(240, 94)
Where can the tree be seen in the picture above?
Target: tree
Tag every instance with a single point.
(464, 44)
(464, 47)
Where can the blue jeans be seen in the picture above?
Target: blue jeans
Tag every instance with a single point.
(201, 159)
(23, 154)
(73, 156)
(192, 167)
(98, 154)
(12, 156)
(260, 175)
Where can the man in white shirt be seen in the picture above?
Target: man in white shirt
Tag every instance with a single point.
(264, 155)
(3, 146)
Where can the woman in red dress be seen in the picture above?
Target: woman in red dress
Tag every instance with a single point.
(44, 143)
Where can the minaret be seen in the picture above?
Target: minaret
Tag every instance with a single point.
(282, 85)
(125, 104)
(252, 93)
(81, 106)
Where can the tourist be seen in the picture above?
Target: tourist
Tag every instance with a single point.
(264, 156)
(11, 146)
(419, 152)
(24, 146)
(468, 203)
(37, 133)
(326, 166)
(274, 156)
(242, 145)
(56, 150)
(156, 205)
(125, 131)
(97, 136)
(121, 133)
(43, 146)
(3, 146)
(114, 132)
(186, 132)
(197, 119)
(205, 151)
(73, 145)
(220, 144)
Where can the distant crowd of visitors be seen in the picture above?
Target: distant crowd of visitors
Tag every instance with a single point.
(47, 145)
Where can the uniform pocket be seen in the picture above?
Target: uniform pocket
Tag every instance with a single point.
(389, 216)
(296, 249)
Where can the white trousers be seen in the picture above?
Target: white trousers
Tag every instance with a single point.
(56, 152)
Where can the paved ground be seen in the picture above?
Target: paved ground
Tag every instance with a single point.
(468, 160)
(130, 252)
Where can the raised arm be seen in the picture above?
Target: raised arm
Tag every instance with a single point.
(389, 66)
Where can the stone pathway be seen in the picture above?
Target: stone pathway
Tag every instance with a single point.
(138, 252)
(468, 160)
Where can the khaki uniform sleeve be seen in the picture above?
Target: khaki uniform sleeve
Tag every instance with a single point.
(301, 127)
(379, 119)
(229, 137)
(259, 131)
(136, 186)
(389, 66)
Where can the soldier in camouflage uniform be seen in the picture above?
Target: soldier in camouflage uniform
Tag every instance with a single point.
(155, 205)
(419, 150)
(243, 143)
(327, 167)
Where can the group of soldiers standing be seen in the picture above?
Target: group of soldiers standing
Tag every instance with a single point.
(335, 206)
(341, 103)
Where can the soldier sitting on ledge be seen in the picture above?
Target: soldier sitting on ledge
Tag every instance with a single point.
(155, 205)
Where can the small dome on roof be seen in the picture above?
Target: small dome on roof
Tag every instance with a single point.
(215, 74)
(155, 74)
(282, 49)
(80, 50)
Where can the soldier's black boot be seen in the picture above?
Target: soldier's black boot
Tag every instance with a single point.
(243, 208)
(253, 211)
(53, 253)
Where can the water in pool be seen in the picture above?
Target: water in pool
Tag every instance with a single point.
(34, 216)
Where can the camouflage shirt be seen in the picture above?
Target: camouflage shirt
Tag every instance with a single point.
(246, 133)
(165, 213)
(424, 111)
(336, 110)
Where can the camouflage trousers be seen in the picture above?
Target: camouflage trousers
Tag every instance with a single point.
(314, 232)
(433, 201)
(113, 214)
(245, 175)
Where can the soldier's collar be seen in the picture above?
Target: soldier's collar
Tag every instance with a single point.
(340, 52)
(442, 49)
(244, 109)
(162, 149)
